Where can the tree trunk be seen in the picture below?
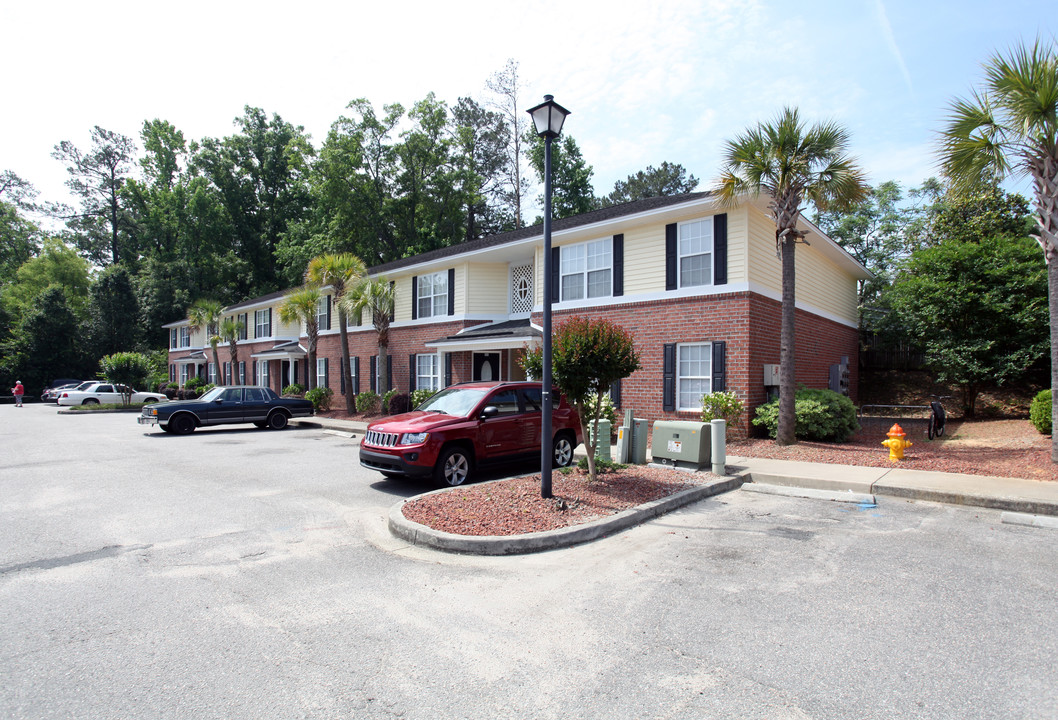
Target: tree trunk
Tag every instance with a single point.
(383, 370)
(787, 383)
(1052, 296)
(310, 369)
(347, 377)
(217, 367)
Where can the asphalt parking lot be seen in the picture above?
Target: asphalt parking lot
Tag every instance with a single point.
(241, 573)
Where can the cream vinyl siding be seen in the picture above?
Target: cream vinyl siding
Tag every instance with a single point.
(489, 288)
(645, 260)
(821, 285)
(402, 301)
(765, 269)
(281, 329)
(460, 290)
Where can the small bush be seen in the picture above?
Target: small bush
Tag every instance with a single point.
(205, 389)
(399, 403)
(721, 406)
(368, 403)
(822, 415)
(390, 394)
(194, 383)
(1040, 412)
(602, 465)
(320, 397)
(418, 397)
(294, 390)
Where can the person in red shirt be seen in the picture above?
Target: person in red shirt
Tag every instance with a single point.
(18, 391)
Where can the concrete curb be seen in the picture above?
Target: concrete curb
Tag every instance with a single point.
(848, 496)
(527, 543)
(993, 502)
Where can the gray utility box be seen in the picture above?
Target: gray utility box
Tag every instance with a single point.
(632, 443)
(602, 448)
(681, 444)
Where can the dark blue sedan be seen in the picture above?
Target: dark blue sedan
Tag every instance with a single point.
(226, 405)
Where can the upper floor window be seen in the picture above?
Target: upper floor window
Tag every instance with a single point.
(433, 295)
(243, 327)
(263, 323)
(696, 253)
(323, 313)
(174, 338)
(185, 336)
(586, 270)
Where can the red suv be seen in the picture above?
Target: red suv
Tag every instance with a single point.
(469, 425)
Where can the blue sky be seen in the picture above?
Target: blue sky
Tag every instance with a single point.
(646, 81)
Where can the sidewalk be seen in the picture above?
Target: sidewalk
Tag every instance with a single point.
(1011, 494)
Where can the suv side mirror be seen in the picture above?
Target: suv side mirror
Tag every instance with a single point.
(490, 411)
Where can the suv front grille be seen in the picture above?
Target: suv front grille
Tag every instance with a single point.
(381, 439)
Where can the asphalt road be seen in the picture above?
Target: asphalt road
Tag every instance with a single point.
(239, 573)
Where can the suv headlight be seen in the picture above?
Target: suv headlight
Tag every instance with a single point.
(414, 438)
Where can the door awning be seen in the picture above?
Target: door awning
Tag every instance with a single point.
(283, 351)
(491, 336)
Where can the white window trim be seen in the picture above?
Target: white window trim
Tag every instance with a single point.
(211, 373)
(321, 372)
(185, 336)
(258, 323)
(438, 301)
(680, 378)
(262, 374)
(242, 372)
(433, 379)
(711, 252)
(585, 272)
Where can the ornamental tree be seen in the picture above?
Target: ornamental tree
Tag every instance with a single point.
(587, 356)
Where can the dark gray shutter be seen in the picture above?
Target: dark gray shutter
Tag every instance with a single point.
(451, 291)
(615, 395)
(356, 376)
(448, 369)
(326, 373)
(411, 373)
(254, 368)
(414, 297)
(374, 374)
(556, 274)
(270, 333)
(671, 278)
(328, 312)
(720, 249)
(618, 265)
(668, 392)
(719, 366)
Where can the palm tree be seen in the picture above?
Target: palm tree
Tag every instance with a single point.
(1011, 128)
(230, 330)
(790, 163)
(303, 306)
(207, 314)
(375, 296)
(342, 271)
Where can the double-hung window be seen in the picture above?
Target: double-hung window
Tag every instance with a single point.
(427, 372)
(696, 253)
(262, 373)
(185, 373)
(263, 323)
(694, 376)
(211, 374)
(433, 295)
(322, 313)
(321, 373)
(586, 270)
(173, 338)
(185, 336)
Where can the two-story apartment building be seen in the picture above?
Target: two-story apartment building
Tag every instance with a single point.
(696, 283)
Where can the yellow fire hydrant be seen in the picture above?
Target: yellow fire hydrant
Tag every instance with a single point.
(897, 442)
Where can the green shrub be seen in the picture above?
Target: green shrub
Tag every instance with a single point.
(294, 390)
(194, 383)
(418, 397)
(390, 394)
(821, 415)
(320, 397)
(602, 465)
(721, 406)
(368, 403)
(1040, 412)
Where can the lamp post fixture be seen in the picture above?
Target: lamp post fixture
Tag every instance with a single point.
(548, 117)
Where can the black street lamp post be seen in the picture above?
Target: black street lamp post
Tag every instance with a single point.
(548, 118)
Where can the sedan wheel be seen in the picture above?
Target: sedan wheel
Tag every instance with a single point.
(453, 468)
(90, 401)
(182, 425)
(563, 452)
(277, 420)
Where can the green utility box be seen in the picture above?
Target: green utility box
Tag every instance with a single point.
(602, 449)
(681, 444)
(632, 442)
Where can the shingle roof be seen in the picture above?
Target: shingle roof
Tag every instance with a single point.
(588, 218)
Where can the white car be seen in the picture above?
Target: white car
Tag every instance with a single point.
(97, 393)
